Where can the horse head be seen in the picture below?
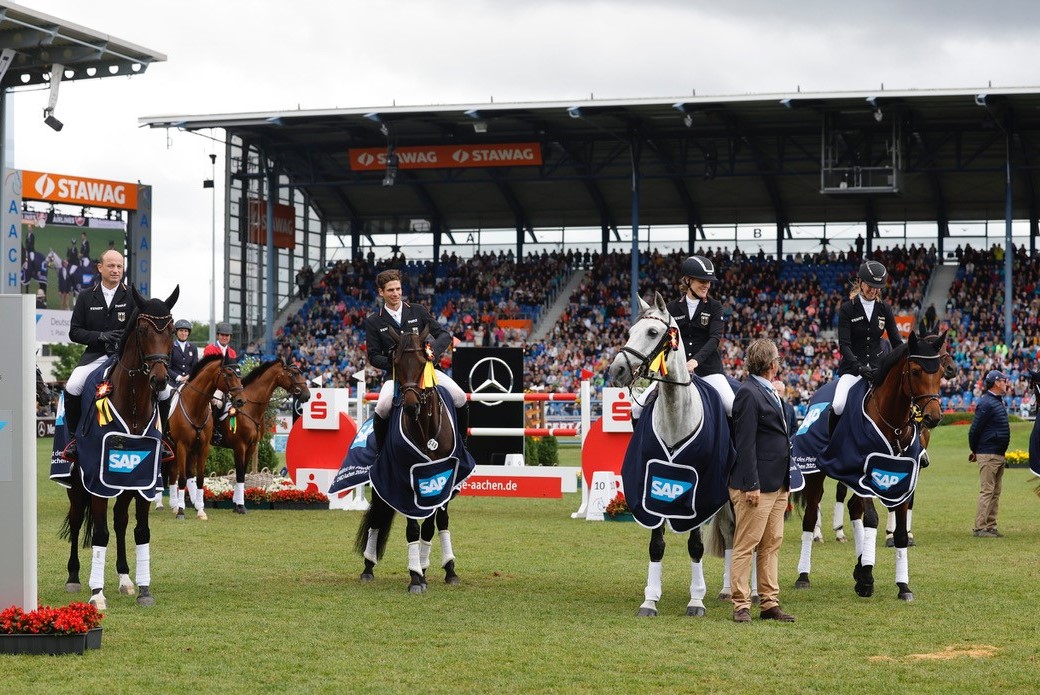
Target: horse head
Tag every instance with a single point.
(149, 338)
(294, 382)
(411, 355)
(927, 363)
(946, 361)
(653, 334)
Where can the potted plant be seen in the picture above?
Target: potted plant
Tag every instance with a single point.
(66, 630)
(617, 509)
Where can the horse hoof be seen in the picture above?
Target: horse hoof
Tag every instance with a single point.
(416, 588)
(695, 611)
(864, 590)
(239, 509)
(906, 596)
(202, 516)
(179, 516)
(841, 539)
(99, 602)
(755, 599)
(127, 589)
(910, 542)
(646, 612)
(73, 587)
(453, 580)
(801, 584)
(725, 596)
(890, 542)
(146, 601)
(367, 576)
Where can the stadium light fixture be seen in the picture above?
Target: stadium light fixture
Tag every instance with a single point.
(57, 71)
(575, 112)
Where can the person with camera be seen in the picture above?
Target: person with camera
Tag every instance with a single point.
(861, 322)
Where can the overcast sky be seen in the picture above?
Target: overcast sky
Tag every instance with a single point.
(233, 56)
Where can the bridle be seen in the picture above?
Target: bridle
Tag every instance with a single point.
(147, 362)
(227, 372)
(915, 415)
(427, 398)
(667, 343)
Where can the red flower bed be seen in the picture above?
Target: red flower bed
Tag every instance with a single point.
(75, 618)
(291, 494)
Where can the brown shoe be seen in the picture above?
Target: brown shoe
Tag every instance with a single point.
(742, 616)
(775, 613)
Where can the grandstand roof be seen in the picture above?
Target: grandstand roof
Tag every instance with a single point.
(40, 40)
(873, 156)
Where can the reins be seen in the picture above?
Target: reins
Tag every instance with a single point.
(915, 412)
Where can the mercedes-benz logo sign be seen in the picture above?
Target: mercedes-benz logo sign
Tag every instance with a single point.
(491, 375)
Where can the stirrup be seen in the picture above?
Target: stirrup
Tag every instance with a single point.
(70, 453)
(165, 451)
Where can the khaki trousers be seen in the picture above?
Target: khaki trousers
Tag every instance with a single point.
(761, 527)
(991, 475)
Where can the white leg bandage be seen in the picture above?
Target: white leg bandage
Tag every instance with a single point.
(238, 496)
(192, 492)
(652, 592)
(869, 546)
(857, 536)
(144, 564)
(173, 495)
(97, 567)
(413, 558)
(902, 566)
(805, 557)
(890, 523)
(909, 519)
(447, 555)
(727, 565)
(698, 588)
(424, 554)
(371, 547)
(818, 531)
(838, 519)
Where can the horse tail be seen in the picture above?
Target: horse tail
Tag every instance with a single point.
(380, 516)
(798, 498)
(723, 524)
(66, 527)
(88, 528)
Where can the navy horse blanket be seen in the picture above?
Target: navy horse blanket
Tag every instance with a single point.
(856, 453)
(405, 476)
(1034, 447)
(111, 459)
(357, 464)
(685, 486)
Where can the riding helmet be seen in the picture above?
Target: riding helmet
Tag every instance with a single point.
(699, 268)
(873, 273)
(224, 328)
(182, 324)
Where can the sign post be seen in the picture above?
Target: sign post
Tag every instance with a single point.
(18, 574)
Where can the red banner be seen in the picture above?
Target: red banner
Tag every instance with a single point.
(511, 486)
(511, 154)
(905, 324)
(284, 224)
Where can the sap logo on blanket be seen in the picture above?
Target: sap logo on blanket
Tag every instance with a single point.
(361, 438)
(126, 461)
(668, 490)
(812, 416)
(886, 479)
(428, 487)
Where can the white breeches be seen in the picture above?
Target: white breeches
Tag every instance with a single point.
(386, 394)
(841, 392)
(79, 375)
(725, 391)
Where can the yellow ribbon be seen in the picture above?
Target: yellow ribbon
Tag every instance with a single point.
(232, 421)
(658, 364)
(429, 376)
(104, 411)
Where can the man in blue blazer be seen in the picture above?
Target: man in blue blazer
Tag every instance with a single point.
(759, 483)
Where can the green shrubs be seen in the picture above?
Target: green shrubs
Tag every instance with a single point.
(541, 451)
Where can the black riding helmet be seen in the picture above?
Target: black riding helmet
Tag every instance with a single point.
(699, 268)
(182, 324)
(873, 273)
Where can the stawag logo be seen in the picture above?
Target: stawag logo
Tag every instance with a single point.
(428, 487)
(126, 461)
(886, 479)
(45, 186)
(668, 490)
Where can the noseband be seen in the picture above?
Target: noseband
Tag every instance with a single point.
(667, 343)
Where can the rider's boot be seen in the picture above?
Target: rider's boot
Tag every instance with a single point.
(73, 412)
(462, 415)
(832, 420)
(380, 427)
(165, 446)
(218, 432)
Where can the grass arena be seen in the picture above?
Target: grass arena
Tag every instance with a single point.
(272, 602)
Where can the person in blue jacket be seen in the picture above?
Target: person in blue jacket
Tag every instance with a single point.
(988, 440)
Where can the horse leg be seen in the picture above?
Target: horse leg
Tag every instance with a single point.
(200, 487)
(890, 528)
(178, 486)
(812, 493)
(373, 533)
(863, 572)
(698, 588)
(652, 592)
(447, 554)
(901, 536)
(838, 520)
(98, 526)
(817, 534)
(425, 544)
(910, 522)
(73, 522)
(417, 585)
(243, 453)
(143, 552)
(120, 521)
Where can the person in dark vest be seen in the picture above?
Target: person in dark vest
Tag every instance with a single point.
(861, 322)
(402, 316)
(184, 356)
(988, 440)
(699, 318)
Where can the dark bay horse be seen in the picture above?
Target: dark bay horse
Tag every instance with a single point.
(691, 457)
(191, 424)
(903, 403)
(421, 415)
(258, 386)
(132, 387)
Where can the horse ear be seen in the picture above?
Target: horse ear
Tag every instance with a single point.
(912, 341)
(172, 299)
(659, 302)
(425, 332)
(394, 334)
(643, 304)
(942, 338)
(138, 299)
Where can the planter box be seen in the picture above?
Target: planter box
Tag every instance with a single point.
(626, 516)
(43, 644)
(299, 505)
(228, 504)
(94, 638)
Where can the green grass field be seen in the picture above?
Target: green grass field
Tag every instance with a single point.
(271, 602)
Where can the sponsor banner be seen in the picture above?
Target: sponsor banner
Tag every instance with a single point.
(506, 485)
(284, 224)
(905, 324)
(52, 326)
(68, 220)
(44, 427)
(321, 412)
(102, 223)
(507, 154)
(78, 190)
(617, 410)
(11, 245)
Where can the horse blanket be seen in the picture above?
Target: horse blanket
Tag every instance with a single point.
(685, 486)
(359, 459)
(1034, 448)
(857, 454)
(111, 459)
(408, 479)
(808, 440)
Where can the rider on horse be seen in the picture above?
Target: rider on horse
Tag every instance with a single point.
(403, 317)
(221, 347)
(861, 322)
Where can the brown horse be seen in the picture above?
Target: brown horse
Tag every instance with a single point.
(904, 403)
(258, 386)
(136, 379)
(424, 422)
(191, 425)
